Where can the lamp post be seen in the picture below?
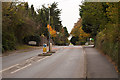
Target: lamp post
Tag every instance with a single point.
(49, 26)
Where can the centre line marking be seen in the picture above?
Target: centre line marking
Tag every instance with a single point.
(8, 68)
(42, 59)
(21, 68)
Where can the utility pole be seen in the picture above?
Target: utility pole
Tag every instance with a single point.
(49, 26)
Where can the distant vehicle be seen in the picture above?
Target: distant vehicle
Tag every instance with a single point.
(86, 43)
(32, 43)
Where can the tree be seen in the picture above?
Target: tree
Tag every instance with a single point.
(55, 17)
(52, 31)
(66, 32)
(74, 40)
(43, 18)
(16, 24)
(20, 21)
(101, 20)
(77, 31)
(93, 15)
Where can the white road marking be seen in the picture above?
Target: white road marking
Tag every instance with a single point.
(28, 65)
(0, 76)
(30, 59)
(21, 68)
(85, 63)
(43, 59)
(9, 68)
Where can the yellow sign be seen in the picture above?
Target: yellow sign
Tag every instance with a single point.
(44, 50)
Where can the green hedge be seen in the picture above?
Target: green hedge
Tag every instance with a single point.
(107, 42)
(8, 42)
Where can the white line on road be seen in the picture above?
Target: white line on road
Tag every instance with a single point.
(30, 58)
(9, 68)
(21, 68)
(85, 63)
(27, 65)
(43, 59)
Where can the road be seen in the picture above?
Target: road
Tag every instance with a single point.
(68, 62)
(20, 56)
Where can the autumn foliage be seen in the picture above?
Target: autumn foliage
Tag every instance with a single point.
(52, 31)
(77, 31)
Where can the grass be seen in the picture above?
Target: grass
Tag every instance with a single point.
(20, 47)
(47, 54)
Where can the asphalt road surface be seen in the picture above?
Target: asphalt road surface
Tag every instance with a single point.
(67, 62)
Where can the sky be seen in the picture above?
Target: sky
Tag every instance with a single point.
(69, 13)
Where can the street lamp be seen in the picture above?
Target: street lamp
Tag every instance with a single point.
(49, 26)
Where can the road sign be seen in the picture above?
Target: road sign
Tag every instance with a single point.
(91, 39)
(45, 48)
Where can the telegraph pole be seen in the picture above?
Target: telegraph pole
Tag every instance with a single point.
(49, 26)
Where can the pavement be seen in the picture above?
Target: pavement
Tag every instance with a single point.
(98, 66)
(73, 62)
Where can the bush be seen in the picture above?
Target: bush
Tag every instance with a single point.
(82, 43)
(8, 42)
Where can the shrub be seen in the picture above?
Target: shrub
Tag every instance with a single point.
(106, 41)
(8, 42)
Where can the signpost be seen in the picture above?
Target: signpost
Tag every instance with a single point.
(44, 48)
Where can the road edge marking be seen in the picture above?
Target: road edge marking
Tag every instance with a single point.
(85, 63)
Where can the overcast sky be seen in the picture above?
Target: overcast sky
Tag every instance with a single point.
(70, 10)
